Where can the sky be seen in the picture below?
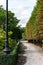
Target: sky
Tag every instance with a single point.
(21, 8)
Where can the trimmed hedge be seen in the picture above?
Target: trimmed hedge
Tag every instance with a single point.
(9, 59)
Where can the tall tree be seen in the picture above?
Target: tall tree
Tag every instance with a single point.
(12, 23)
(40, 19)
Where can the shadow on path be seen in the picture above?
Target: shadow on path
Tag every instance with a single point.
(21, 56)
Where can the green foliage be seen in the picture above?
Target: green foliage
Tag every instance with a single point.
(12, 42)
(2, 38)
(17, 34)
(9, 59)
(12, 24)
(24, 33)
(12, 20)
(14, 32)
(32, 27)
(40, 19)
(2, 16)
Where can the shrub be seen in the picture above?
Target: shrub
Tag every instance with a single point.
(9, 59)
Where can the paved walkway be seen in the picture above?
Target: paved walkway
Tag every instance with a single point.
(30, 54)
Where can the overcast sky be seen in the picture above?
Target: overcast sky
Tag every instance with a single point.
(21, 8)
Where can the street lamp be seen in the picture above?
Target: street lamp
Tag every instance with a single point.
(6, 49)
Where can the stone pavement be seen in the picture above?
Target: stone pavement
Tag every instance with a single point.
(30, 54)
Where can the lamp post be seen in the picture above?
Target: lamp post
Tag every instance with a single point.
(6, 49)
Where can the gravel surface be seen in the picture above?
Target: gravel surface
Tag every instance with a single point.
(30, 54)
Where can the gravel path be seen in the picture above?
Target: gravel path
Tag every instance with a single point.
(30, 54)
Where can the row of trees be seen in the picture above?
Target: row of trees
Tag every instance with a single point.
(34, 26)
(40, 19)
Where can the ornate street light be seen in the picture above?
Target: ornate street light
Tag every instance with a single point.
(6, 49)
